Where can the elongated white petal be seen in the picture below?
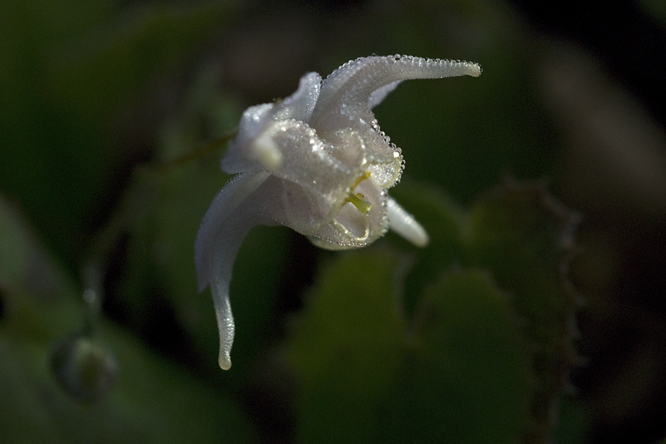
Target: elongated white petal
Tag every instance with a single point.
(405, 225)
(235, 210)
(346, 93)
(225, 322)
(350, 91)
(223, 208)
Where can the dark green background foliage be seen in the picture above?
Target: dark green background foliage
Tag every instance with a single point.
(113, 118)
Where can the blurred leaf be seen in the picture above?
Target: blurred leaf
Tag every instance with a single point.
(70, 71)
(492, 339)
(151, 401)
(444, 220)
(347, 346)
(118, 60)
(526, 238)
(34, 291)
(466, 378)
(573, 422)
(463, 364)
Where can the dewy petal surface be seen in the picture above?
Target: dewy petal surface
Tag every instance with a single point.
(256, 120)
(235, 210)
(349, 93)
(316, 162)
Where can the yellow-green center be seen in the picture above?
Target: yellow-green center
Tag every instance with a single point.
(357, 199)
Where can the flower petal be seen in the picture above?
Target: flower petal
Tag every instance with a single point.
(316, 177)
(405, 225)
(300, 105)
(253, 143)
(350, 91)
(380, 93)
(353, 84)
(236, 209)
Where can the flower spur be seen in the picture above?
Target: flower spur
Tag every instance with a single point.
(316, 162)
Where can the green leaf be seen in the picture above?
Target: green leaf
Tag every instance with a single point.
(347, 346)
(33, 288)
(365, 378)
(466, 376)
(491, 345)
(444, 221)
(71, 71)
(151, 401)
(526, 238)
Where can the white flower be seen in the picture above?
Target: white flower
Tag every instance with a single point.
(316, 162)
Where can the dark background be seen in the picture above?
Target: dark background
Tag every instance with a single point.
(571, 92)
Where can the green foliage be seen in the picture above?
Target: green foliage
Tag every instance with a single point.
(348, 348)
(485, 354)
(40, 310)
(69, 68)
(527, 239)
(467, 377)
(465, 341)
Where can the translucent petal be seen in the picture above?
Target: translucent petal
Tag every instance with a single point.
(300, 105)
(251, 143)
(405, 225)
(380, 93)
(351, 86)
(236, 209)
(316, 177)
(348, 93)
(239, 156)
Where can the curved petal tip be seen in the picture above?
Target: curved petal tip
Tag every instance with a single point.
(224, 360)
(405, 225)
(474, 69)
